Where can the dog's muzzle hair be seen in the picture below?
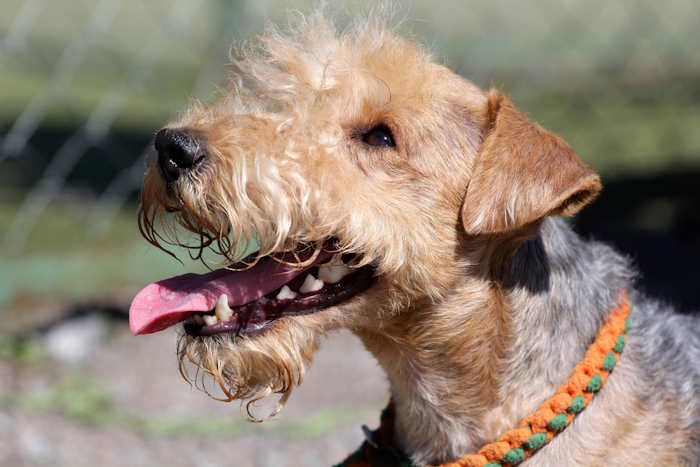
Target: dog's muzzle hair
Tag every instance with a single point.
(250, 368)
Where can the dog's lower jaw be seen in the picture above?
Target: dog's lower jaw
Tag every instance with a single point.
(254, 368)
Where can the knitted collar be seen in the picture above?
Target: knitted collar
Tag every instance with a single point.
(550, 419)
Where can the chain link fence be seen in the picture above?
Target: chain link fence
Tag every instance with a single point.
(84, 85)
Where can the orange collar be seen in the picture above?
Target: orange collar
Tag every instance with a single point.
(551, 418)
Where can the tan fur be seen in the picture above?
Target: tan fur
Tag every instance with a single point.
(523, 174)
(471, 178)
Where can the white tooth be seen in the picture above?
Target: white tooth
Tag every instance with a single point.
(210, 320)
(333, 272)
(311, 284)
(286, 293)
(223, 312)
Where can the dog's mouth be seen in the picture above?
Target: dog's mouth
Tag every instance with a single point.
(245, 300)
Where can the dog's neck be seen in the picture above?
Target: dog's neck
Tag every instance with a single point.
(468, 368)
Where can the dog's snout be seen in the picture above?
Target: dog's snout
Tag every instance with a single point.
(178, 152)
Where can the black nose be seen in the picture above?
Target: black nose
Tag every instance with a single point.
(178, 152)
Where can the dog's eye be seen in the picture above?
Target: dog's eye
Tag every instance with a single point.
(379, 136)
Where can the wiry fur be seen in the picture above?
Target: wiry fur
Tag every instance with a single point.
(250, 369)
(482, 303)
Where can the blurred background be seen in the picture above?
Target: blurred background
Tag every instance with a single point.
(84, 85)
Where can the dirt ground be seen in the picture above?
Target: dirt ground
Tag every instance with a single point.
(88, 393)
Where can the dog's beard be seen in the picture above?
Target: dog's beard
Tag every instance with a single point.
(250, 369)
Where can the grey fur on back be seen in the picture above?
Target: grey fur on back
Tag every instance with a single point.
(574, 283)
(666, 346)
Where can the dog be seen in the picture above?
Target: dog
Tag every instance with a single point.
(391, 197)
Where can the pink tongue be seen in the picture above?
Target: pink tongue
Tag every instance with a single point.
(167, 302)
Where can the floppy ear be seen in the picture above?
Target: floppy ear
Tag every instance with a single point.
(522, 174)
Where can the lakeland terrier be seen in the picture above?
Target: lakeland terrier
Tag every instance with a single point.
(391, 197)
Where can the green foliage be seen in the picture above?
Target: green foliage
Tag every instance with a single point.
(76, 396)
(22, 350)
(65, 260)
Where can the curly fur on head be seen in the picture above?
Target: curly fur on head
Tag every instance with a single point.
(285, 166)
(280, 165)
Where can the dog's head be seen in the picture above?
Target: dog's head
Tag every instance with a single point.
(363, 171)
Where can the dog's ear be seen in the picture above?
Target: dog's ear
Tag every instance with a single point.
(522, 174)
